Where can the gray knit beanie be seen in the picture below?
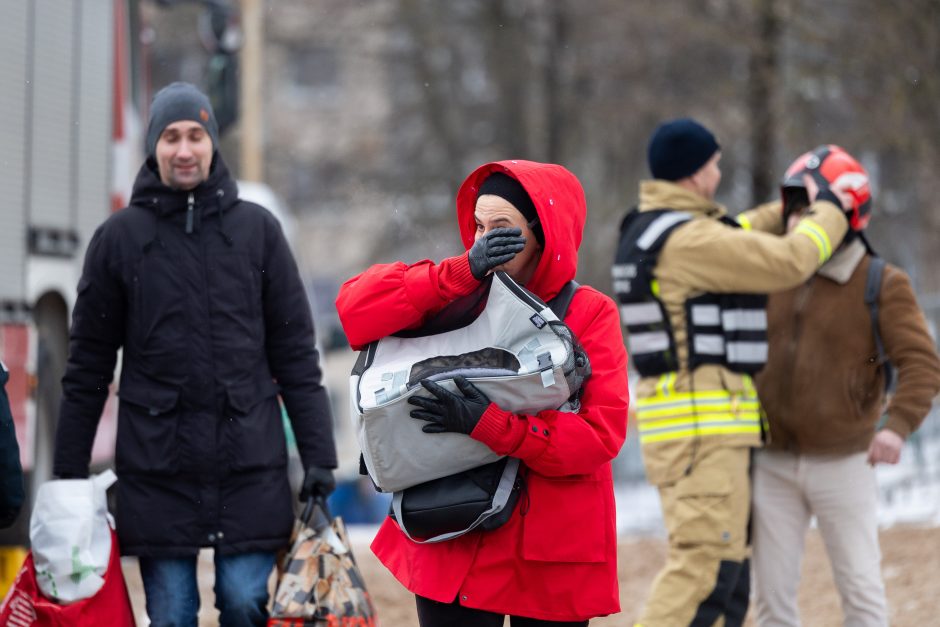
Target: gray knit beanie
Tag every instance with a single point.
(180, 101)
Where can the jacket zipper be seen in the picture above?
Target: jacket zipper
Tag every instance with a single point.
(189, 213)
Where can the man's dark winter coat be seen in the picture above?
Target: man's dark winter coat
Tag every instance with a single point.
(11, 472)
(214, 324)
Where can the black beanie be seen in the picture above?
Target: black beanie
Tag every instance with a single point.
(678, 149)
(511, 190)
(180, 101)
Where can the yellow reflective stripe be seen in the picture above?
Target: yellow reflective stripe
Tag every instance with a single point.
(749, 387)
(818, 235)
(681, 415)
(684, 398)
(702, 419)
(714, 421)
(666, 384)
(751, 409)
(697, 410)
(696, 432)
(745, 222)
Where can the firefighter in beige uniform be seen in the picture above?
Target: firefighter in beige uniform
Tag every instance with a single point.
(691, 284)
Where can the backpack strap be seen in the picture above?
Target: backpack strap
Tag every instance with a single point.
(872, 289)
(559, 305)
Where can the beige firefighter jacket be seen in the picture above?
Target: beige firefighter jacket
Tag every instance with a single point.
(682, 416)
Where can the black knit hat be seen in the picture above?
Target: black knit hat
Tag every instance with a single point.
(511, 190)
(678, 149)
(180, 101)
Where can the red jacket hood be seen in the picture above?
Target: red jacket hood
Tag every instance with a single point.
(559, 201)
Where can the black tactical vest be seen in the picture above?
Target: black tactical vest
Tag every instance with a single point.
(725, 329)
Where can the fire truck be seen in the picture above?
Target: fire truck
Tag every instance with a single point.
(70, 127)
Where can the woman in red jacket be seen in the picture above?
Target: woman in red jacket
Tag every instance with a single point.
(555, 561)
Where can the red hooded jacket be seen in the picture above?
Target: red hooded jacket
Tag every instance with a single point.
(556, 558)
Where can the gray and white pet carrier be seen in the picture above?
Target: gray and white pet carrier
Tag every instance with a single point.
(516, 351)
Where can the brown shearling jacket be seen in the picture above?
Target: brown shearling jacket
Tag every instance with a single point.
(822, 388)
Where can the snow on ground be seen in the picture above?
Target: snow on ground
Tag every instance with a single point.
(910, 490)
(909, 493)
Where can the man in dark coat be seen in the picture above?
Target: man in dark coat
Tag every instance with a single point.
(201, 292)
(11, 472)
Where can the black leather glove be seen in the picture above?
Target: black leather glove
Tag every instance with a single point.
(457, 413)
(318, 482)
(829, 195)
(824, 192)
(494, 249)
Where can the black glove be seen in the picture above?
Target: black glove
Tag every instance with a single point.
(494, 249)
(318, 482)
(448, 411)
(824, 192)
(830, 196)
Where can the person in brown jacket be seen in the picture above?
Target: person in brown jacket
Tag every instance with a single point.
(823, 391)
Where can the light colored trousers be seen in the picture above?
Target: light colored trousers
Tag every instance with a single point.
(840, 490)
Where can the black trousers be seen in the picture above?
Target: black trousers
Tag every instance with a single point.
(435, 614)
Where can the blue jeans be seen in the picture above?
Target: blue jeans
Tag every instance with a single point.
(241, 589)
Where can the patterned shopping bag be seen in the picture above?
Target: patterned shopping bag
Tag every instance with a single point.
(320, 584)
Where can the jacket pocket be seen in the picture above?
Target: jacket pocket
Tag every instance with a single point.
(865, 384)
(148, 425)
(254, 430)
(566, 520)
(703, 508)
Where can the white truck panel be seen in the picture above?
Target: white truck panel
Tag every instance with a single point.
(13, 58)
(52, 123)
(93, 152)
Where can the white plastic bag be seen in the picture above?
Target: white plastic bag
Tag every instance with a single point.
(70, 533)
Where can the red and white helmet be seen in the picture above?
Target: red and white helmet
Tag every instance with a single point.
(832, 166)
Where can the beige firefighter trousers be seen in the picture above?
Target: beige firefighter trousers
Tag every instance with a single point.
(706, 514)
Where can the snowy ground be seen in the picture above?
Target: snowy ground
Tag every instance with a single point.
(909, 493)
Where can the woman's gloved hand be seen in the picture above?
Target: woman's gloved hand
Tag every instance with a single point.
(449, 412)
(494, 249)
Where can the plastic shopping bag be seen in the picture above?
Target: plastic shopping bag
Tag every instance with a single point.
(320, 584)
(26, 606)
(70, 535)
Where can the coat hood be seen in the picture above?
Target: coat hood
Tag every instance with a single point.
(559, 201)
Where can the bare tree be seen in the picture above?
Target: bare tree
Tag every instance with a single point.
(763, 76)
